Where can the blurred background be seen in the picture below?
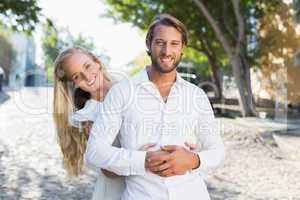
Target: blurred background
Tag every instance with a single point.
(245, 54)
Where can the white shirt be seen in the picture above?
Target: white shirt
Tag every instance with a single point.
(87, 113)
(135, 108)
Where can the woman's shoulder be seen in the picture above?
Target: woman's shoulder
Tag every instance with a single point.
(87, 113)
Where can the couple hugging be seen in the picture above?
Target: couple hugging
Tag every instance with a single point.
(152, 136)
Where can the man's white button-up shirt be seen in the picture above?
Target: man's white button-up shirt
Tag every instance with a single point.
(135, 112)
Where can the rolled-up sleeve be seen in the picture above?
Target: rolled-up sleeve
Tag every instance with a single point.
(99, 151)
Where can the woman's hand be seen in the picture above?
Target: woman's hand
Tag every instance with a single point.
(109, 173)
(147, 147)
(192, 147)
(87, 126)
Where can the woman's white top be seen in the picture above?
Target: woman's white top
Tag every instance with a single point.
(87, 113)
(105, 187)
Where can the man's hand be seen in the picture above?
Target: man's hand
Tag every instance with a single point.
(172, 160)
(155, 158)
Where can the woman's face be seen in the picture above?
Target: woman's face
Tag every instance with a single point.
(83, 72)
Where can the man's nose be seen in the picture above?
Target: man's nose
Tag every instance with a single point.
(166, 49)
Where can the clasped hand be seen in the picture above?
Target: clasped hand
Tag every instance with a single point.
(171, 160)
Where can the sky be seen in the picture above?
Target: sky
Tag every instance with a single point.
(121, 42)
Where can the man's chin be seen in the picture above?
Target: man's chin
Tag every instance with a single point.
(167, 70)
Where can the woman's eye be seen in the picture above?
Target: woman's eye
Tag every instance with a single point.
(75, 77)
(87, 66)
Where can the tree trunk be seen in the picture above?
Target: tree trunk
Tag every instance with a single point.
(241, 77)
(216, 74)
(240, 71)
(207, 50)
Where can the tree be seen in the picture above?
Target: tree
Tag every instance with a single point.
(296, 5)
(21, 15)
(7, 53)
(278, 42)
(220, 38)
(236, 52)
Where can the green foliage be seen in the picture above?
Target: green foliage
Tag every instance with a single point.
(21, 15)
(201, 36)
(138, 63)
(84, 42)
(198, 60)
(53, 42)
(7, 53)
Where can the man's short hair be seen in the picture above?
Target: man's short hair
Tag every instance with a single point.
(167, 20)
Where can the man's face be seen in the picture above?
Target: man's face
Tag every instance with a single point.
(165, 48)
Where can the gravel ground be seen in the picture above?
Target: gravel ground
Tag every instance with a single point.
(31, 163)
(255, 168)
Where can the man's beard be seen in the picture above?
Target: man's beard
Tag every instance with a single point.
(159, 68)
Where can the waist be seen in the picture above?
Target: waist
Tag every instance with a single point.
(153, 187)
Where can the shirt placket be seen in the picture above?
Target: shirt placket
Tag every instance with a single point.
(166, 130)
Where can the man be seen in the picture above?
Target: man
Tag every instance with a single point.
(158, 106)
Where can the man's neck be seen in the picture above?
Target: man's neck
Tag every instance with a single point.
(159, 78)
(163, 81)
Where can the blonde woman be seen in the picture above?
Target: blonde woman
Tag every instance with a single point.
(80, 85)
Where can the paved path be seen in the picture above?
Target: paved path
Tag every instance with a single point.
(31, 163)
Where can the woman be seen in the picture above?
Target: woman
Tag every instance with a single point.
(80, 85)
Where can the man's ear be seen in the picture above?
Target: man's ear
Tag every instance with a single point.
(148, 45)
(183, 47)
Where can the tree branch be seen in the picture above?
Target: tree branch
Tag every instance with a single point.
(241, 26)
(215, 27)
(225, 20)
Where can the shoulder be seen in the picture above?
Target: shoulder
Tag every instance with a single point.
(194, 89)
(122, 87)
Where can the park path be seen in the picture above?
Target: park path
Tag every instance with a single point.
(30, 159)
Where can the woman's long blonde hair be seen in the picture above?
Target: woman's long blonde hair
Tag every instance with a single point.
(67, 99)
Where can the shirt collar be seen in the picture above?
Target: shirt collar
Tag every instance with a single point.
(142, 77)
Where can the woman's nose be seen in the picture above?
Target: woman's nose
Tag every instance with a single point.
(87, 76)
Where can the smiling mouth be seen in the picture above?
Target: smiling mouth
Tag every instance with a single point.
(91, 82)
(166, 59)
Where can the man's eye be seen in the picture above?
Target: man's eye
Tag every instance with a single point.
(87, 66)
(159, 43)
